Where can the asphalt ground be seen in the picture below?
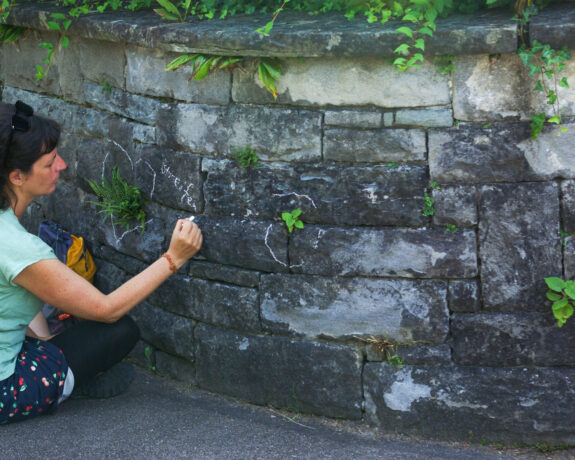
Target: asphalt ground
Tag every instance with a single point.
(161, 419)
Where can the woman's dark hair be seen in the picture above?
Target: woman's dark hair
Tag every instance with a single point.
(23, 139)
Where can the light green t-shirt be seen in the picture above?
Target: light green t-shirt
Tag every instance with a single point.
(18, 250)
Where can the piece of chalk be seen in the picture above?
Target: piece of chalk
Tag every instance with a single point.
(191, 218)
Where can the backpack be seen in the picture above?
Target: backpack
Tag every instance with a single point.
(71, 250)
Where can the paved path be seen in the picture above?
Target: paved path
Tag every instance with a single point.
(159, 419)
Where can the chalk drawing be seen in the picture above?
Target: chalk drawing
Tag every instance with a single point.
(272, 252)
(298, 195)
(178, 184)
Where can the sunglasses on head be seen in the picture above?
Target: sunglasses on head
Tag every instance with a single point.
(21, 118)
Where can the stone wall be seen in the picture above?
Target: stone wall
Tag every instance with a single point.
(301, 320)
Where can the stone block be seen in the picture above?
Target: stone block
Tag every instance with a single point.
(170, 178)
(314, 307)
(487, 88)
(455, 204)
(463, 296)
(108, 276)
(246, 244)
(100, 62)
(145, 74)
(17, 62)
(210, 302)
(402, 252)
(469, 154)
(275, 134)
(175, 367)
(353, 119)
(311, 377)
(454, 402)
(374, 146)
(568, 206)
(376, 195)
(129, 264)
(430, 118)
(132, 106)
(346, 82)
(217, 272)
(511, 339)
(555, 26)
(425, 355)
(569, 257)
(550, 156)
(519, 244)
(166, 331)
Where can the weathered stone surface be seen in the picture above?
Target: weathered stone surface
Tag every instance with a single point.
(273, 133)
(569, 257)
(175, 367)
(432, 118)
(411, 253)
(164, 330)
(320, 378)
(170, 178)
(469, 154)
(217, 272)
(108, 277)
(491, 88)
(568, 206)
(314, 307)
(296, 34)
(519, 244)
(246, 244)
(353, 119)
(511, 339)
(554, 25)
(133, 106)
(17, 65)
(209, 302)
(495, 404)
(374, 146)
(101, 62)
(145, 74)
(129, 264)
(345, 82)
(463, 296)
(412, 354)
(455, 204)
(377, 195)
(550, 155)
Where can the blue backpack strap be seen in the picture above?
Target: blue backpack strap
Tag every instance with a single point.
(56, 237)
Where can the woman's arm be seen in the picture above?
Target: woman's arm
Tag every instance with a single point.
(55, 283)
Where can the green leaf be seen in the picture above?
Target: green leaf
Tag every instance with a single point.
(560, 304)
(538, 86)
(180, 61)
(298, 224)
(553, 296)
(296, 213)
(53, 25)
(554, 283)
(170, 8)
(420, 44)
(570, 291)
(555, 119)
(426, 31)
(563, 83)
(58, 16)
(65, 42)
(404, 30)
(402, 49)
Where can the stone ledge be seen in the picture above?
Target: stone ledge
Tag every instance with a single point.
(294, 34)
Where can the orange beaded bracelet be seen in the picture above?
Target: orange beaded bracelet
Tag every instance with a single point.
(173, 267)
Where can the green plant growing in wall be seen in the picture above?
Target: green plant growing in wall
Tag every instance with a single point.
(149, 358)
(292, 220)
(445, 64)
(547, 63)
(120, 201)
(562, 294)
(59, 23)
(247, 158)
(428, 201)
(451, 228)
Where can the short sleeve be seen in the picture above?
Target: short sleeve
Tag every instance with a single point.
(21, 250)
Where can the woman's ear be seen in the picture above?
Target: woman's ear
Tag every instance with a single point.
(17, 177)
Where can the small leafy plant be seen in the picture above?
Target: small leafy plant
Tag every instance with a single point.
(428, 201)
(292, 219)
(120, 201)
(247, 158)
(562, 294)
(548, 63)
(149, 358)
(451, 228)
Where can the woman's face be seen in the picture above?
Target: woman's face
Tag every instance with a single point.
(45, 172)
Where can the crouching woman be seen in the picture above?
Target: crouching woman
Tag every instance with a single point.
(38, 371)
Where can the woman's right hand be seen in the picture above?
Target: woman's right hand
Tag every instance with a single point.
(186, 241)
